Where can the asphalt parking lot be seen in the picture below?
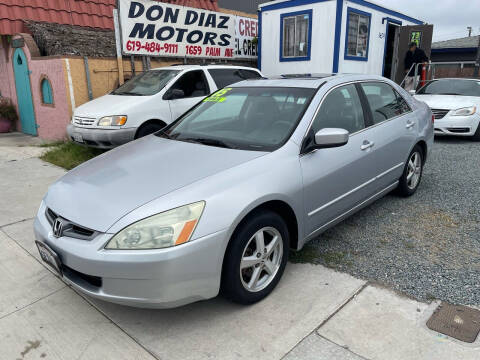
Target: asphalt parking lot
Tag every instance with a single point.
(426, 246)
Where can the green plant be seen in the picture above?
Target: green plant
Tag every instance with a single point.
(7, 110)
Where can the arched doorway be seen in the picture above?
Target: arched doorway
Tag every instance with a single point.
(24, 92)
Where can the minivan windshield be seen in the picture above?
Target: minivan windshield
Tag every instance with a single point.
(248, 118)
(451, 87)
(147, 83)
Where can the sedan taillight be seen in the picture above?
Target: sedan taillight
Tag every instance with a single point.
(433, 118)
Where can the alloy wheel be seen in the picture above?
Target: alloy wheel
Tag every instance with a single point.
(261, 259)
(414, 170)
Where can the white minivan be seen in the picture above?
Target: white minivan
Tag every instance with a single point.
(148, 102)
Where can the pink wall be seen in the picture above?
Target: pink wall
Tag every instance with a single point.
(51, 120)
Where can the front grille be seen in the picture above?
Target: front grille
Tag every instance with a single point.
(83, 121)
(75, 276)
(70, 229)
(459, 130)
(439, 113)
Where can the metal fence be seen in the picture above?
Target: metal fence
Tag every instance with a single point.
(438, 70)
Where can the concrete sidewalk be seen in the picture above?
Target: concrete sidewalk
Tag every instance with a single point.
(315, 313)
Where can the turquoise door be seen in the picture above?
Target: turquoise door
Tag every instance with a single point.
(24, 93)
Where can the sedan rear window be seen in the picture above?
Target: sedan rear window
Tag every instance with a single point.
(225, 77)
(147, 83)
(451, 87)
(249, 118)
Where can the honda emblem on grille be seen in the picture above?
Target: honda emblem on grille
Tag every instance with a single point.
(57, 228)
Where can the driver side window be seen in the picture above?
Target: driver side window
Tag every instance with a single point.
(193, 84)
(340, 109)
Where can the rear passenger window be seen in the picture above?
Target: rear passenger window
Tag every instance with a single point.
(225, 77)
(341, 109)
(384, 101)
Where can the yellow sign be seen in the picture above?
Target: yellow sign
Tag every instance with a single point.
(218, 96)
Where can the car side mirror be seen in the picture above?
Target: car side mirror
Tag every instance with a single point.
(173, 94)
(331, 137)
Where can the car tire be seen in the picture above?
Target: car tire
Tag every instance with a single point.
(249, 273)
(476, 136)
(148, 128)
(412, 173)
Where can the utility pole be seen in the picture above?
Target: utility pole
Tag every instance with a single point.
(469, 28)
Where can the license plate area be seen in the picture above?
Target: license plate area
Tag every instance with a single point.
(49, 257)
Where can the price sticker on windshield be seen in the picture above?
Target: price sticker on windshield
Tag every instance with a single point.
(219, 96)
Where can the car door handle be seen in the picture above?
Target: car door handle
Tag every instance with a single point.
(410, 124)
(367, 145)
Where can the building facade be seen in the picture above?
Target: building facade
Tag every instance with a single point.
(56, 55)
(330, 36)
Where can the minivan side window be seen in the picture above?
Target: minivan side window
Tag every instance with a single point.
(342, 109)
(193, 84)
(225, 77)
(385, 103)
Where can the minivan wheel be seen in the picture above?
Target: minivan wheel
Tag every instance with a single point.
(256, 258)
(412, 173)
(147, 129)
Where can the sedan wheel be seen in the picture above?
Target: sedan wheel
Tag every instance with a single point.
(414, 170)
(255, 258)
(261, 260)
(412, 173)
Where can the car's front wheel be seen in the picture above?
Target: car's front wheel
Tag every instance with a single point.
(412, 173)
(256, 258)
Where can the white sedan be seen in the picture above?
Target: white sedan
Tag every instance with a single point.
(455, 103)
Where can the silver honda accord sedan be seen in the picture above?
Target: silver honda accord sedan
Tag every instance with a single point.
(214, 202)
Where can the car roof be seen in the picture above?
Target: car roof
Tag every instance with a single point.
(203, 66)
(305, 80)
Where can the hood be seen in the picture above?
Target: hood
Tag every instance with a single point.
(110, 105)
(448, 102)
(99, 192)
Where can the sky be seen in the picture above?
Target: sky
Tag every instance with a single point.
(450, 18)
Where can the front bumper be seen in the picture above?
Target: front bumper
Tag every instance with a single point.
(457, 125)
(163, 278)
(101, 138)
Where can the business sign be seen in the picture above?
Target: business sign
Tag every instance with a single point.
(161, 29)
(246, 30)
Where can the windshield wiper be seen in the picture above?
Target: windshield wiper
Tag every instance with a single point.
(211, 142)
(447, 94)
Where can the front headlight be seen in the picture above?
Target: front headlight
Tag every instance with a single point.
(465, 111)
(114, 120)
(170, 228)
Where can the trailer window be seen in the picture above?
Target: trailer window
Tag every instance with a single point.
(295, 35)
(358, 33)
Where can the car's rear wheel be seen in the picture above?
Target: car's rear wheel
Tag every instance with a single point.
(256, 258)
(412, 173)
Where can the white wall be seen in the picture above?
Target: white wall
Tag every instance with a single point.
(374, 65)
(323, 36)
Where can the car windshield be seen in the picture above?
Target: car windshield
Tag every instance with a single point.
(451, 87)
(249, 118)
(147, 83)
